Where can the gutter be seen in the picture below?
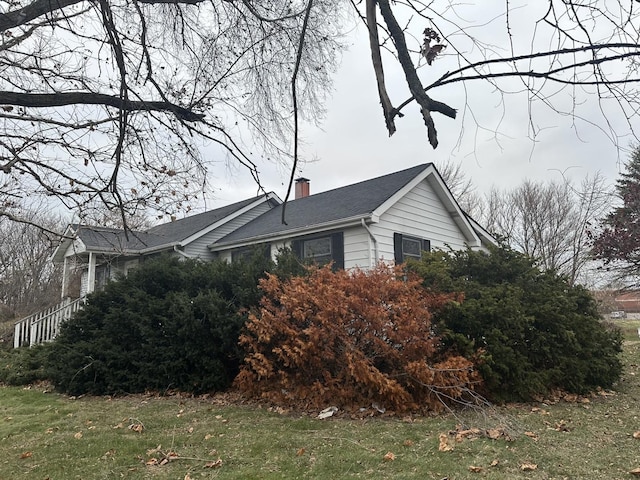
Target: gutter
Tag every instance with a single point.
(375, 243)
(288, 234)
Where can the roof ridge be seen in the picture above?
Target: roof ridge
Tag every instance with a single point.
(420, 167)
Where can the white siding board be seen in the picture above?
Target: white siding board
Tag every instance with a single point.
(198, 248)
(357, 248)
(419, 213)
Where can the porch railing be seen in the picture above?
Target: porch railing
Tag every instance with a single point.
(44, 326)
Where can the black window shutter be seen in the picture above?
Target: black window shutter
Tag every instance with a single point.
(296, 247)
(426, 245)
(267, 251)
(337, 250)
(397, 248)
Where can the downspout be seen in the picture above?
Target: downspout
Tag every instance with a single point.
(180, 252)
(375, 243)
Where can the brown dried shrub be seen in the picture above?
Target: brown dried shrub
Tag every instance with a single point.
(350, 339)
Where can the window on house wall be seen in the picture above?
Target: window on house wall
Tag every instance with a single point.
(103, 275)
(247, 253)
(321, 249)
(129, 265)
(406, 247)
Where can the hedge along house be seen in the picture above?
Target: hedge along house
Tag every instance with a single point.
(389, 218)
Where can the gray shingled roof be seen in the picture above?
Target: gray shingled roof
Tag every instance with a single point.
(107, 239)
(359, 199)
(112, 239)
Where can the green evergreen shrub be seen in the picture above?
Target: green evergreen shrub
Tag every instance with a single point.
(170, 324)
(534, 330)
(24, 365)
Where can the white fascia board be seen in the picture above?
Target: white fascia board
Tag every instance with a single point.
(393, 199)
(228, 218)
(430, 174)
(292, 233)
(60, 252)
(482, 232)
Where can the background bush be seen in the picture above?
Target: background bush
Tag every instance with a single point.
(350, 339)
(536, 331)
(170, 324)
(23, 366)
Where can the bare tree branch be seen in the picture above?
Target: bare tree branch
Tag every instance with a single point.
(294, 96)
(83, 98)
(414, 83)
(376, 58)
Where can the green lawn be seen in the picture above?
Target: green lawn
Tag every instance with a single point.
(49, 436)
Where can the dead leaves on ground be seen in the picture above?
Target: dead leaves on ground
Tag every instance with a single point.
(478, 469)
(160, 458)
(448, 440)
(389, 457)
(557, 396)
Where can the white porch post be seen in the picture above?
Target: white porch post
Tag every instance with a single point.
(65, 279)
(91, 274)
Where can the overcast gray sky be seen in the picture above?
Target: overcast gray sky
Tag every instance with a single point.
(353, 144)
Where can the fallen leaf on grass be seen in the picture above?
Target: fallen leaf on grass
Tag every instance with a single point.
(136, 427)
(528, 467)
(215, 464)
(172, 456)
(408, 443)
(389, 457)
(636, 435)
(494, 463)
(26, 455)
(539, 410)
(108, 454)
(475, 469)
(78, 436)
(300, 452)
(531, 435)
(444, 443)
(468, 433)
(635, 471)
(153, 451)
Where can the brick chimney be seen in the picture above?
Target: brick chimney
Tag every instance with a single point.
(302, 187)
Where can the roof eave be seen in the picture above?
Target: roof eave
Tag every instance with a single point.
(292, 233)
(228, 218)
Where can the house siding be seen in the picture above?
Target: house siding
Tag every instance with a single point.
(420, 213)
(357, 248)
(198, 248)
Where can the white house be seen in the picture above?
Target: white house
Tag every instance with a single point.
(388, 218)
